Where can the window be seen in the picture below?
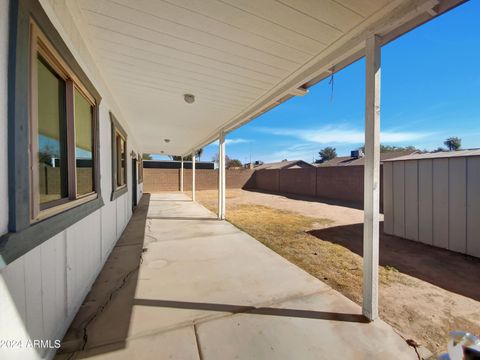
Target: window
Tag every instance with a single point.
(119, 159)
(62, 135)
(53, 108)
(140, 169)
(84, 144)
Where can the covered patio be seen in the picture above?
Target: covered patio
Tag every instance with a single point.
(180, 284)
(170, 77)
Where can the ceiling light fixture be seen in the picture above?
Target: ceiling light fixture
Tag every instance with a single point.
(189, 98)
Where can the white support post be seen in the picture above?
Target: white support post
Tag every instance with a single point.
(221, 176)
(372, 179)
(193, 176)
(181, 175)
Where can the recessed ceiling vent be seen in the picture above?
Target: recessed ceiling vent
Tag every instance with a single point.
(189, 98)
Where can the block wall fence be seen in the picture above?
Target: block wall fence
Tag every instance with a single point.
(336, 183)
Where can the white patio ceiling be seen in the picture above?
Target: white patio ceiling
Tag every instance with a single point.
(238, 57)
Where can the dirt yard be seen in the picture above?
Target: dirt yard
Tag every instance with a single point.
(425, 292)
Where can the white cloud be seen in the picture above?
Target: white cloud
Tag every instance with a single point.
(237, 141)
(343, 135)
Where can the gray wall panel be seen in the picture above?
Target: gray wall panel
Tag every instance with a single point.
(411, 200)
(440, 203)
(399, 198)
(457, 200)
(425, 201)
(473, 206)
(388, 197)
(435, 201)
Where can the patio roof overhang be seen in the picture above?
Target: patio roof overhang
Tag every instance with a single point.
(239, 58)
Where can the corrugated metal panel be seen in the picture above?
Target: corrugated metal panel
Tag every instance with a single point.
(457, 220)
(437, 201)
(473, 206)
(411, 200)
(425, 201)
(438, 155)
(440, 203)
(388, 198)
(399, 199)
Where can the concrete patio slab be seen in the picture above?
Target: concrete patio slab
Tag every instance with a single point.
(180, 276)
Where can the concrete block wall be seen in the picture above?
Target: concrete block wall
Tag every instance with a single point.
(297, 181)
(343, 183)
(158, 180)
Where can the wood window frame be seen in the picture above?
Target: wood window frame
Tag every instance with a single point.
(41, 47)
(140, 168)
(117, 131)
(23, 235)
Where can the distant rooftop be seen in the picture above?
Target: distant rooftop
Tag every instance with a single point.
(351, 161)
(290, 164)
(438, 155)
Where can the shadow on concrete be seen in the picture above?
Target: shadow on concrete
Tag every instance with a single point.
(103, 320)
(237, 309)
(344, 203)
(451, 271)
(181, 218)
(170, 201)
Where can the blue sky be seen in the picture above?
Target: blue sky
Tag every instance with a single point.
(430, 90)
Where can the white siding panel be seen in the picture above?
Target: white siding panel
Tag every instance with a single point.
(327, 11)
(33, 294)
(3, 116)
(121, 214)
(13, 304)
(440, 203)
(399, 198)
(388, 197)
(13, 309)
(457, 219)
(238, 21)
(83, 258)
(411, 200)
(53, 284)
(61, 279)
(473, 205)
(109, 226)
(425, 201)
(289, 18)
(48, 255)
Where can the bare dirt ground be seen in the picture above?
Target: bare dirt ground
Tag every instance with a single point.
(425, 292)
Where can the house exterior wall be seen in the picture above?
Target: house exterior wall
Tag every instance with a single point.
(435, 201)
(41, 291)
(158, 180)
(3, 115)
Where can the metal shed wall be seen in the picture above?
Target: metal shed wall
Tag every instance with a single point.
(434, 201)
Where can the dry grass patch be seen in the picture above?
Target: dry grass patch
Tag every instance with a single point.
(286, 233)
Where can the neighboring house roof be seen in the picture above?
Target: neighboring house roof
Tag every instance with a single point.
(349, 161)
(292, 164)
(172, 164)
(439, 155)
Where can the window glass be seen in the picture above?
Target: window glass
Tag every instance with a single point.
(121, 158)
(124, 159)
(83, 144)
(52, 176)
